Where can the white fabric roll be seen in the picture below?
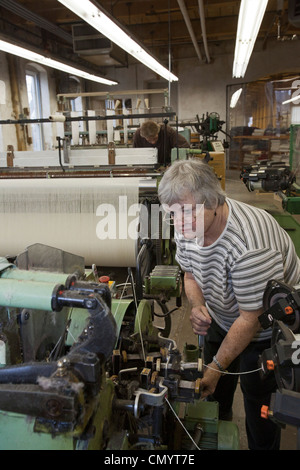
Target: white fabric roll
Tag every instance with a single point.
(95, 218)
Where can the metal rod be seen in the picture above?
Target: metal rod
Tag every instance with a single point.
(112, 94)
(26, 294)
(88, 118)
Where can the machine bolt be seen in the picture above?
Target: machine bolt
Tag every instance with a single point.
(53, 407)
(25, 315)
(62, 365)
(90, 303)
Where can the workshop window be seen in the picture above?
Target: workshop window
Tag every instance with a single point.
(295, 117)
(114, 107)
(77, 107)
(35, 108)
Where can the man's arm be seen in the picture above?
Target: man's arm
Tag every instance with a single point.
(200, 318)
(137, 139)
(239, 336)
(237, 339)
(178, 140)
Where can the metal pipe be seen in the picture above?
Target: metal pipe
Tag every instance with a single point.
(88, 118)
(189, 27)
(111, 94)
(34, 276)
(26, 294)
(26, 373)
(203, 28)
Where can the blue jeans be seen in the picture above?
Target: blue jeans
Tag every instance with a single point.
(263, 434)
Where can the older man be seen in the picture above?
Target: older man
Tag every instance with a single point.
(228, 257)
(160, 136)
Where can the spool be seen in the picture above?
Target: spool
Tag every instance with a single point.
(57, 118)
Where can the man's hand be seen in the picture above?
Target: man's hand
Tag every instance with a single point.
(210, 380)
(200, 320)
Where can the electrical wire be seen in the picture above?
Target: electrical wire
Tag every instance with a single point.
(177, 417)
(233, 373)
(165, 314)
(181, 423)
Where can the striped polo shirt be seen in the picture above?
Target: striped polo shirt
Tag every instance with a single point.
(233, 271)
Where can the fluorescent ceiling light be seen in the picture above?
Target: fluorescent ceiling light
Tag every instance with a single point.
(250, 18)
(34, 57)
(235, 97)
(91, 14)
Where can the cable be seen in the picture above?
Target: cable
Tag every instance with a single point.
(233, 373)
(186, 431)
(165, 314)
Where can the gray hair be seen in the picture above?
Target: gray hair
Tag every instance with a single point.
(191, 177)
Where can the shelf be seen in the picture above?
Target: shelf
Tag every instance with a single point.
(252, 154)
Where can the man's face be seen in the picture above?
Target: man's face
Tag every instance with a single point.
(152, 140)
(188, 218)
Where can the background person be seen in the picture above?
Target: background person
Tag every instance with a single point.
(160, 136)
(225, 278)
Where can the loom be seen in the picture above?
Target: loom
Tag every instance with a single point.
(73, 160)
(82, 368)
(84, 160)
(110, 222)
(83, 363)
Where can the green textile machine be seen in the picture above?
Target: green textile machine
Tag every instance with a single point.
(277, 177)
(280, 178)
(82, 369)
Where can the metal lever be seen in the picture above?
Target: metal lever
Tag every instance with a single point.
(200, 342)
(200, 354)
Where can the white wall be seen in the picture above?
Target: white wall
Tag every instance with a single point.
(202, 87)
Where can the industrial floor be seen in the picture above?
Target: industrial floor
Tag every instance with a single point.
(181, 330)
